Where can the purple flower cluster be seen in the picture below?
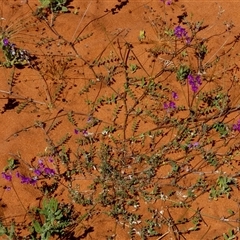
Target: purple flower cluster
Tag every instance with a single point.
(7, 176)
(27, 180)
(181, 32)
(43, 170)
(236, 127)
(194, 82)
(40, 170)
(169, 105)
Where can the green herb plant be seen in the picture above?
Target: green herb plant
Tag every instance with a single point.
(53, 219)
(54, 6)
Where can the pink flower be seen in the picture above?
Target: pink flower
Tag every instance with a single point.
(167, 2)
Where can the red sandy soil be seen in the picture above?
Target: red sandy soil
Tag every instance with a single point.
(19, 137)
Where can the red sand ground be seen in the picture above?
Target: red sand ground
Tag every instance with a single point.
(20, 137)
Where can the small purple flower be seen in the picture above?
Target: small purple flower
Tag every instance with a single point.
(6, 176)
(76, 131)
(196, 144)
(49, 171)
(236, 127)
(23, 178)
(33, 181)
(37, 172)
(193, 145)
(40, 164)
(174, 95)
(90, 118)
(165, 105)
(169, 105)
(194, 82)
(198, 80)
(26, 180)
(85, 133)
(180, 32)
(172, 104)
(188, 40)
(5, 42)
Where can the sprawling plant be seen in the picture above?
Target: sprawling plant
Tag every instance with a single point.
(153, 138)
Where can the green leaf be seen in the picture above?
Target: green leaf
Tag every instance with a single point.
(45, 3)
(37, 226)
(2, 230)
(64, 9)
